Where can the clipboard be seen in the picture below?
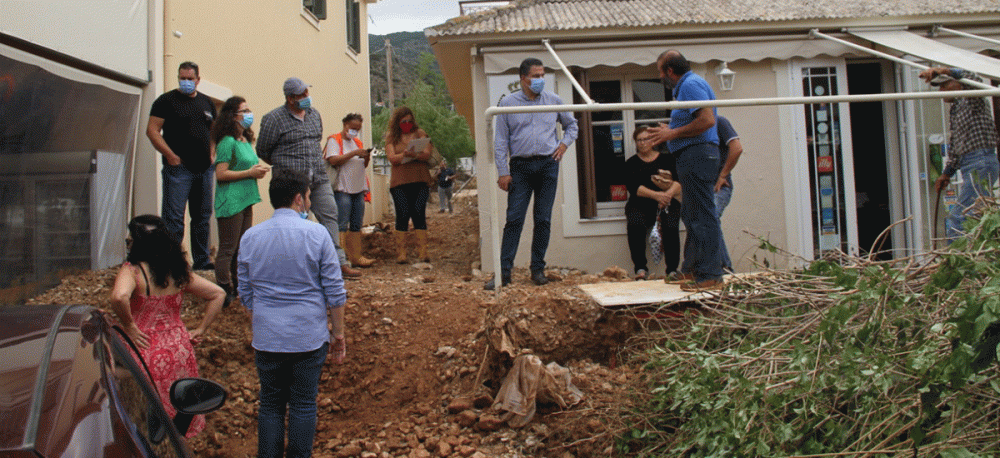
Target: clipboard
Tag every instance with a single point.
(417, 144)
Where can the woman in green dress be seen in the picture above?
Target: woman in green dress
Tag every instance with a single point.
(237, 170)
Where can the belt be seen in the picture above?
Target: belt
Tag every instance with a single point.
(531, 158)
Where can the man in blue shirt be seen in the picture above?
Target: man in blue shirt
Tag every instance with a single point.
(289, 277)
(730, 150)
(527, 153)
(694, 142)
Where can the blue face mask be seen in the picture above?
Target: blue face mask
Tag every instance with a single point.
(304, 215)
(351, 133)
(305, 103)
(537, 84)
(187, 86)
(247, 120)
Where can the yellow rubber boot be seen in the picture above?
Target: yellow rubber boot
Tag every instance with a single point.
(400, 237)
(422, 244)
(354, 241)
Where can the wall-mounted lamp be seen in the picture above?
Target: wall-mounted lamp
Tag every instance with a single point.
(726, 77)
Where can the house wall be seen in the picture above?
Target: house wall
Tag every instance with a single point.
(249, 50)
(757, 207)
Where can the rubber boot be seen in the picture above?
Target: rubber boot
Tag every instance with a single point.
(354, 242)
(422, 244)
(400, 237)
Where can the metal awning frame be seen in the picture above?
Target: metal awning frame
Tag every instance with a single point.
(591, 106)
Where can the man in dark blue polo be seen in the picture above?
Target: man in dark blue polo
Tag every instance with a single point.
(694, 142)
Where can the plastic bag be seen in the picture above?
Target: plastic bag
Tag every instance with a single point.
(527, 382)
(656, 242)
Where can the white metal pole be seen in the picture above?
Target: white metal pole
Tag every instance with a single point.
(993, 92)
(568, 74)
(817, 33)
(968, 35)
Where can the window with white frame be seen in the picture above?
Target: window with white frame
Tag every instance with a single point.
(606, 141)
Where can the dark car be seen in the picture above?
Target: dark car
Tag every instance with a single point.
(71, 385)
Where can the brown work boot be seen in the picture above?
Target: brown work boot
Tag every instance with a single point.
(354, 250)
(400, 238)
(422, 244)
(349, 272)
(678, 278)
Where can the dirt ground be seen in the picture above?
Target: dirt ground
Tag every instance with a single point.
(420, 364)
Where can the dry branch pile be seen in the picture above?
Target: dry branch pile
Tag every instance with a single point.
(847, 357)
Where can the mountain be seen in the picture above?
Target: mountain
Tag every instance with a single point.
(407, 47)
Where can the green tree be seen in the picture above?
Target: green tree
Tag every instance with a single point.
(431, 106)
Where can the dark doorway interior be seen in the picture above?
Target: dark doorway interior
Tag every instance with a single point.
(871, 179)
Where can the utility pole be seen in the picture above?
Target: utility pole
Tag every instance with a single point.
(388, 73)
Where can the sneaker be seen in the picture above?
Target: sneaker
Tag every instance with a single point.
(641, 274)
(491, 285)
(704, 285)
(678, 278)
(538, 277)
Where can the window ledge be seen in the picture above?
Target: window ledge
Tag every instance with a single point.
(353, 55)
(310, 18)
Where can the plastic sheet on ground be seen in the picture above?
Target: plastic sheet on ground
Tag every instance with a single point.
(528, 383)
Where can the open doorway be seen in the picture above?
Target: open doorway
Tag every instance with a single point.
(871, 179)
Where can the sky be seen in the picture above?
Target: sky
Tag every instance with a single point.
(388, 16)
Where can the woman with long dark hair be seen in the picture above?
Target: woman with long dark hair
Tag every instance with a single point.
(237, 170)
(409, 181)
(147, 299)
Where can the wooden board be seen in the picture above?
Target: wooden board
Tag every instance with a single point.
(624, 294)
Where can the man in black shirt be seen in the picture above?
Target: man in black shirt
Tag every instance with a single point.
(179, 125)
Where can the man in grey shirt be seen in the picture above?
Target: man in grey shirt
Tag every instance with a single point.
(527, 152)
(290, 139)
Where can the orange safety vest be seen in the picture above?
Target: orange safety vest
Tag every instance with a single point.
(339, 137)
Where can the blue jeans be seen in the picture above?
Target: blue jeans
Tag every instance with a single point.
(350, 211)
(324, 207)
(444, 196)
(538, 176)
(288, 381)
(698, 167)
(181, 186)
(979, 171)
(722, 199)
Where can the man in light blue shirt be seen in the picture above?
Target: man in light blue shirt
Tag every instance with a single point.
(289, 276)
(527, 151)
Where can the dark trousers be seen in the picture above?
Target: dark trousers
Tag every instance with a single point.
(698, 167)
(536, 176)
(231, 229)
(638, 225)
(410, 202)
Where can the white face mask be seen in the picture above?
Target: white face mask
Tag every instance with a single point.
(352, 133)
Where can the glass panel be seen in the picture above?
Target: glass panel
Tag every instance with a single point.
(650, 90)
(609, 160)
(606, 92)
(829, 212)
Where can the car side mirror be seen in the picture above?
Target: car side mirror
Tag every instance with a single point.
(194, 396)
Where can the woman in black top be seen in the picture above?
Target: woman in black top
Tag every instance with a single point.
(646, 200)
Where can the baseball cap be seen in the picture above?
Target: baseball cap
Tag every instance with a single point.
(941, 79)
(294, 86)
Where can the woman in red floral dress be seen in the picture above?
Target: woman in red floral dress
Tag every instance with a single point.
(147, 299)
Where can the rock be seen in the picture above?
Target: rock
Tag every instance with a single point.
(445, 351)
(369, 455)
(478, 454)
(615, 272)
(444, 449)
(419, 452)
(373, 447)
(350, 450)
(466, 450)
(467, 418)
(459, 404)
(482, 401)
(594, 425)
(489, 423)
(422, 266)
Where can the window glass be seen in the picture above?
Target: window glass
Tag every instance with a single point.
(137, 402)
(606, 92)
(829, 212)
(316, 7)
(354, 25)
(650, 90)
